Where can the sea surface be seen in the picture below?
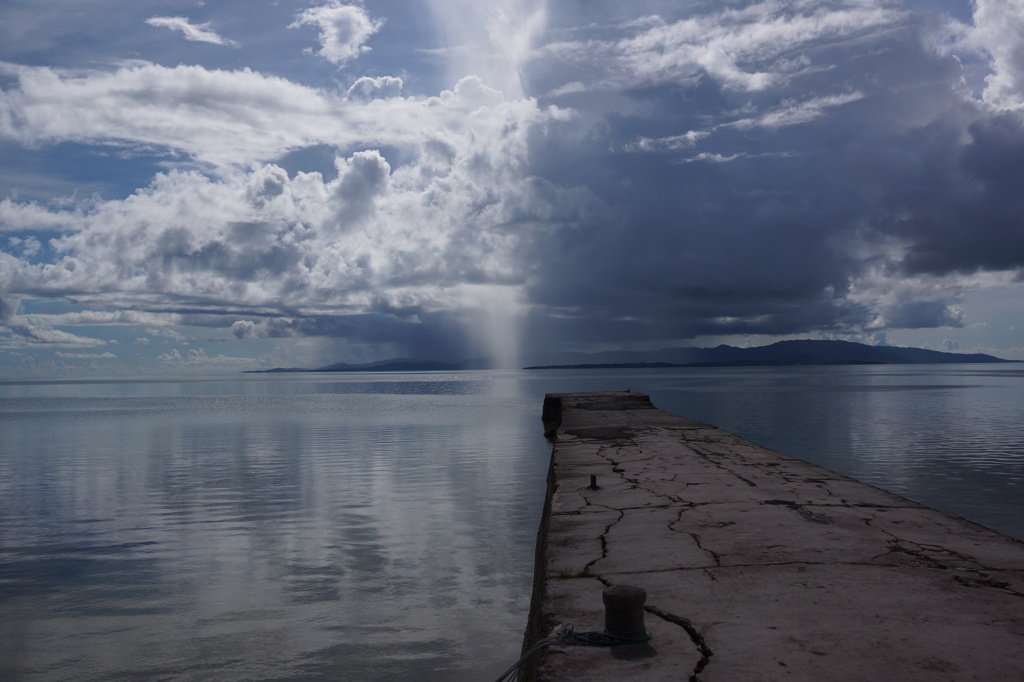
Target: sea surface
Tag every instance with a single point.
(382, 526)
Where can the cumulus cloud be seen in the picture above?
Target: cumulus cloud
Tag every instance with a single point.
(196, 360)
(195, 32)
(172, 356)
(274, 328)
(85, 356)
(244, 329)
(834, 147)
(219, 117)
(757, 168)
(167, 334)
(344, 30)
(25, 333)
(215, 116)
(8, 308)
(19, 216)
(362, 180)
(366, 88)
(101, 317)
(23, 330)
(997, 31)
(336, 255)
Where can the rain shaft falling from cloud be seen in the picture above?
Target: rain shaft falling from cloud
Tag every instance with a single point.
(491, 40)
(351, 181)
(486, 45)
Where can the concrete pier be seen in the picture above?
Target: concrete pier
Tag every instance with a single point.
(756, 566)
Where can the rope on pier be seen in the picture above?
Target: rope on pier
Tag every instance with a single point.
(564, 634)
(605, 639)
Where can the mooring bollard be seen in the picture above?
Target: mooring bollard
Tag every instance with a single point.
(624, 612)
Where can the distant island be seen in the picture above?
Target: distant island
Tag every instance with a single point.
(783, 353)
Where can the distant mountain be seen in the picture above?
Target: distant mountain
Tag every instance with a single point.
(805, 352)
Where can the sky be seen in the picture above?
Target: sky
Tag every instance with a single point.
(228, 185)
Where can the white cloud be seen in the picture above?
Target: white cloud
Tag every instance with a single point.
(29, 334)
(658, 207)
(244, 329)
(26, 330)
(9, 306)
(85, 356)
(920, 302)
(101, 317)
(195, 32)
(19, 216)
(789, 112)
(219, 117)
(196, 359)
(366, 88)
(266, 328)
(796, 112)
(167, 334)
(29, 246)
(672, 142)
(422, 233)
(999, 31)
(362, 179)
(747, 49)
(712, 157)
(344, 30)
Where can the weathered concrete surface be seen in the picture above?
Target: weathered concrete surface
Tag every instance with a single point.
(758, 566)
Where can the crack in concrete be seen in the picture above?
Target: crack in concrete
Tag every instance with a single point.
(706, 455)
(897, 545)
(672, 500)
(641, 484)
(708, 569)
(984, 580)
(695, 536)
(803, 511)
(636, 483)
(714, 555)
(603, 538)
(695, 636)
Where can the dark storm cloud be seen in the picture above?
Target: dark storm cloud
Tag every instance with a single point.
(603, 173)
(774, 210)
(963, 211)
(919, 314)
(424, 335)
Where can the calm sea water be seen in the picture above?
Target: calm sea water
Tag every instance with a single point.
(381, 527)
